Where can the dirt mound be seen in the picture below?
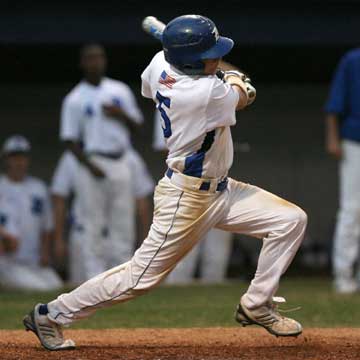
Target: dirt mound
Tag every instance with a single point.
(188, 344)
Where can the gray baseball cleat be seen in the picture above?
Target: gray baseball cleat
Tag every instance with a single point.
(269, 318)
(49, 333)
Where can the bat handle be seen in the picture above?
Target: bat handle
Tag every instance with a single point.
(153, 26)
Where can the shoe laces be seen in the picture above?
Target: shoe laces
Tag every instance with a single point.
(274, 304)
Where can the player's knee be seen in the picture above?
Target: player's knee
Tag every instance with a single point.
(296, 218)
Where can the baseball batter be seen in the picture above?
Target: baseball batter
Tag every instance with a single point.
(84, 263)
(195, 194)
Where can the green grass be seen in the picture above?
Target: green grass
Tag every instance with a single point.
(200, 306)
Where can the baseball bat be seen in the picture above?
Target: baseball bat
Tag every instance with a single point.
(154, 27)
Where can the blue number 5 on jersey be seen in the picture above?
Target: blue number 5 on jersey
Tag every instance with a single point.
(167, 124)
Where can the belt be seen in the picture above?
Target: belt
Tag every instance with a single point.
(108, 155)
(196, 183)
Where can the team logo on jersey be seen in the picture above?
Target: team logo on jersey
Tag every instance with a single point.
(37, 205)
(89, 111)
(117, 101)
(166, 80)
(3, 219)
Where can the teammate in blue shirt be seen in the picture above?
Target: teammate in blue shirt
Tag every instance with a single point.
(343, 142)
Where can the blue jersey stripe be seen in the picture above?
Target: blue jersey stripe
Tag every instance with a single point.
(194, 162)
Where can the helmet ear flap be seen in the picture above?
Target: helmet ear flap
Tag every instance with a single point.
(195, 68)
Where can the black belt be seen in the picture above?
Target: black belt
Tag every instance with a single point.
(205, 186)
(108, 155)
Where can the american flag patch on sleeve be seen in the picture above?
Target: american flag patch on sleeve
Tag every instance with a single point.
(166, 80)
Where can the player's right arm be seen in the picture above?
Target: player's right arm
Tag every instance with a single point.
(9, 242)
(9, 228)
(333, 141)
(335, 108)
(62, 185)
(76, 149)
(71, 133)
(59, 210)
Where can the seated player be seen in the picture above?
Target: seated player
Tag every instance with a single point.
(26, 213)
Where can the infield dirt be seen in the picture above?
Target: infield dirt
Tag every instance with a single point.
(188, 344)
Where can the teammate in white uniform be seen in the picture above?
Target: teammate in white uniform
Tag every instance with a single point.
(83, 263)
(195, 195)
(213, 251)
(25, 207)
(99, 113)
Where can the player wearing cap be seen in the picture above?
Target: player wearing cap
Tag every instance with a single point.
(89, 259)
(343, 143)
(26, 214)
(99, 114)
(195, 195)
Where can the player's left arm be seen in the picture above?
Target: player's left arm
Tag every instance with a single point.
(115, 111)
(46, 240)
(126, 110)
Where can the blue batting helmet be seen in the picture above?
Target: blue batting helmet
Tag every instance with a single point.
(189, 39)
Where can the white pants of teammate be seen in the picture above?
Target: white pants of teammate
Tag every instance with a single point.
(103, 205)
(347, 232)
(182, 216)
(19, 276)
(213, 251)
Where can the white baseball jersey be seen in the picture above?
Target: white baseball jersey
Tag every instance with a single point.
(83, 119)
(196, 112)
(63, 182)
(33, 215)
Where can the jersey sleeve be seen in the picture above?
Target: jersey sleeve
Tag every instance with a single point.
(70, 125)
(145, 83)
(62, 183)
(336, 102)
(221, 107)
(143, 184)
(147, 77)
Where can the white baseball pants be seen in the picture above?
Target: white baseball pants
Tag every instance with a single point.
(347, 232)
(213, 251)
(182, 216)
(104, 231)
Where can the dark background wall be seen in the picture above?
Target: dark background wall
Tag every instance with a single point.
(290, 51)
